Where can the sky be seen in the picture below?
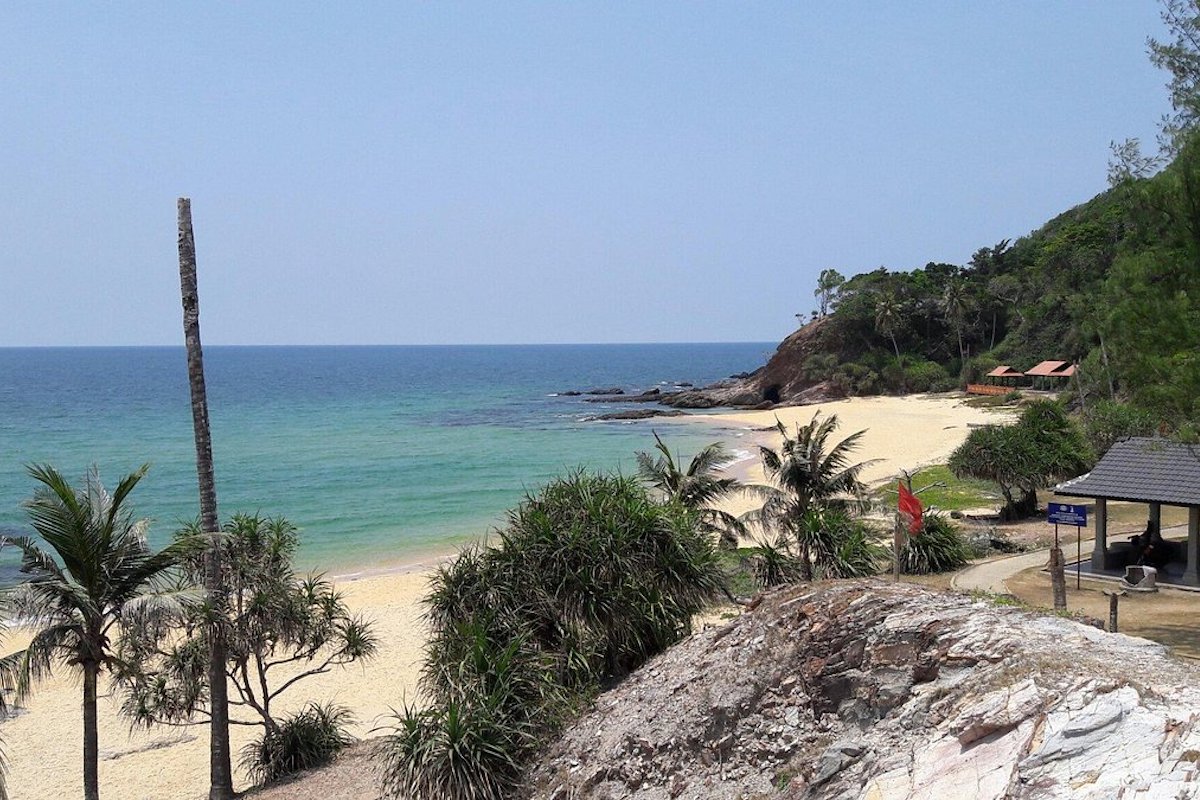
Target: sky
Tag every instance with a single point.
(448, 173)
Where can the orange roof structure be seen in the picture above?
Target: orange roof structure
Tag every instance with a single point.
(1052, 369)
(1005, 371)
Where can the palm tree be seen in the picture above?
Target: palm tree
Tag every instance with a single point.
(956, 305)
(811, 478)
(695, 488)
(220, 769)
(97, 568)
(887, 318)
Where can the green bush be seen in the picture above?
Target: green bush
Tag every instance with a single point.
(302, 741)
(939, 547)
(591, 578)
(978, 367)
(775, 565)
(454, 751)
(926, 376)
(1107, 422)
(846, 545)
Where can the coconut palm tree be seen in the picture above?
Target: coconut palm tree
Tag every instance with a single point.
(220, 769)
(695, 488)
(811, 477)
(956, 305)
(98, 567)
(887, 318)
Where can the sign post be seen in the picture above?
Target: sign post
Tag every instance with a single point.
(1067, 514)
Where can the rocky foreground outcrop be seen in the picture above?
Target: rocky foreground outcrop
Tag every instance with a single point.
(881, 691)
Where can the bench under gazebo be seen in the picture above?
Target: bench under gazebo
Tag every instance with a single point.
(1153, 471)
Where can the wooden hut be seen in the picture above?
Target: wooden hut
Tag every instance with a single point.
(1002, 380)
(1051, 374)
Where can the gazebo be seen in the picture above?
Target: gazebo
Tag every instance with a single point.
(1004, 373)
(998, 378)
(1153, 471)
(1049, 370)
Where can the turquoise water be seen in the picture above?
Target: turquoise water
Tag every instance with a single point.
(379, 454)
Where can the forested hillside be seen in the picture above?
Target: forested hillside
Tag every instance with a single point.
(1113, 284)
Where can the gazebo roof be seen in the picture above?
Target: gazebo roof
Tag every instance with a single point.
(1144, 470)
(1005, 371)
(1052, 369)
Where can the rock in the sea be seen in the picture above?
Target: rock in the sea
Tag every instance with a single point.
(880, 691)
(636, 413)
(609, 390)
(649, 396)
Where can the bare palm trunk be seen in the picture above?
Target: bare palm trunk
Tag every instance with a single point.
(1058, 578)
(220, 771)
(91, 734)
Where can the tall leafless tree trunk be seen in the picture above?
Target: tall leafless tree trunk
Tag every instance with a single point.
(220, 771)
(1058, 578)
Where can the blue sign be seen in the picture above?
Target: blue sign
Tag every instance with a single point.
(1065, 514)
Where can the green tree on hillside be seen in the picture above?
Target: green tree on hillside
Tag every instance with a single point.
(956, 305)
(97, 571)
(888, 311)
(828, 283)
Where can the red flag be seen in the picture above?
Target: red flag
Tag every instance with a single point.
(910, 506)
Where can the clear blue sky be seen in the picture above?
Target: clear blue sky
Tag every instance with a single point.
(545, 172)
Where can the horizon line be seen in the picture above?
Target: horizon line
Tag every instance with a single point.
(374, 344)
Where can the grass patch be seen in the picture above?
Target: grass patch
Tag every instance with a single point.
(957, 494)
(737, 567)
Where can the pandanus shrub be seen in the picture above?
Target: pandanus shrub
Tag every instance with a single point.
(937, 547)
(591, 577)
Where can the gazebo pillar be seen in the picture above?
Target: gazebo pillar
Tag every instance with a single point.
(1156, 515)
(1191, 575)
(1099, 550)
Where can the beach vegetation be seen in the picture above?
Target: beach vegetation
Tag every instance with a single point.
(1111, 285)
(279, 628)
(591, 577)
(697, 488)
(1107, 422)
(944, 490)
(307, 739)
(775, 565)
(938, 547)
(815, 483)
(1044, 445)
(91, 570)
(828, 283)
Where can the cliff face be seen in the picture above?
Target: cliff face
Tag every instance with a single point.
(881, 691)
(781, 381)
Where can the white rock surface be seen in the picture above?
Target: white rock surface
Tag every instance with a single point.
(880, 691)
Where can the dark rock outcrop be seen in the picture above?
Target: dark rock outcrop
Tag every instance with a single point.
(637, 413)
(649, 396)
(888, 692)
(782, 381)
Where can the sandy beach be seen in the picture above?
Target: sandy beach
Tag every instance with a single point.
(43, 741)
(900, 433)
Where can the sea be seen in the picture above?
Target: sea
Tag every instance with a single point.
(382, 456)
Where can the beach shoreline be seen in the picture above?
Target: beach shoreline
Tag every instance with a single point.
(43, 740)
